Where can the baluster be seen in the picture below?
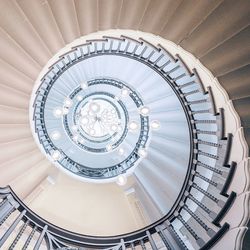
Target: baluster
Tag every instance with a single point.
(75, 54)
(215, 157)
(59, 68)
(200, 111)
(11, 228)
(210, 196)
(119, 46)
(164, 238)
(209, 231)
(103, 47)
(69, 58)
(198, 240)
(202, 206)
(27, 242)
(205, 121)
(205, 132)
(213, 183)
(49, 243)
(123, 247)
(135, 48)
(177, 238)
(216, 170)
(173, 69)
(142, 245)
(81, 51)
(40, 239)
(151, 241)
(143, 51)
(164, 65)
(179, 77)
(7, 207)
(2, 202)
(197, 101)
(186, 84)
(88, 49)
(132, 246)
(127, 46)
(158, 59)
(191, 92)
(217, 145)
(19, 235)
(6, 217)
(111, 45)
(150, 55)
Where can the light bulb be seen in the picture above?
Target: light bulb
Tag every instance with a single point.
(125, 92)
(121, 151)
(74, 128)
(94, 107)
(81, 140)
(55, 135)
(142, 152)
(68, 102)
(155, 125)
(144, 111)
(114, 128)
(79, 98)
(109, 147)
(56, 155)
(84, 120)
(65, 111)
(58, 112)
(84, 85)
(121, 180)
(75, 138)
(92, 131)
(133, 126)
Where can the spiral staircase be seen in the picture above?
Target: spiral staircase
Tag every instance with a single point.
(188, 61)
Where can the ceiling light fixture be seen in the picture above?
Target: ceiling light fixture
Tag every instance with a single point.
(121, 151)
(81, 140)
(121, 180)
(79, 98)
(144, 111)
(74, 128)
(94, 107)
(155, 125)
(56, 155)
(125, 92)
(75, 138)
(65, 111)
(84, 85)
(109, 147)
(55, 135)
(133, 126)
(68, 102)
(58, 112)
(142, 152)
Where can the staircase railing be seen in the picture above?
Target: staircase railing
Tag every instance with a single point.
(195, 219)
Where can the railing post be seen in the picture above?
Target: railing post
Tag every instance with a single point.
(123, 244)
(7, 206)
(11, 228)
(151, 240)
(27, 242)
(40, 239)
